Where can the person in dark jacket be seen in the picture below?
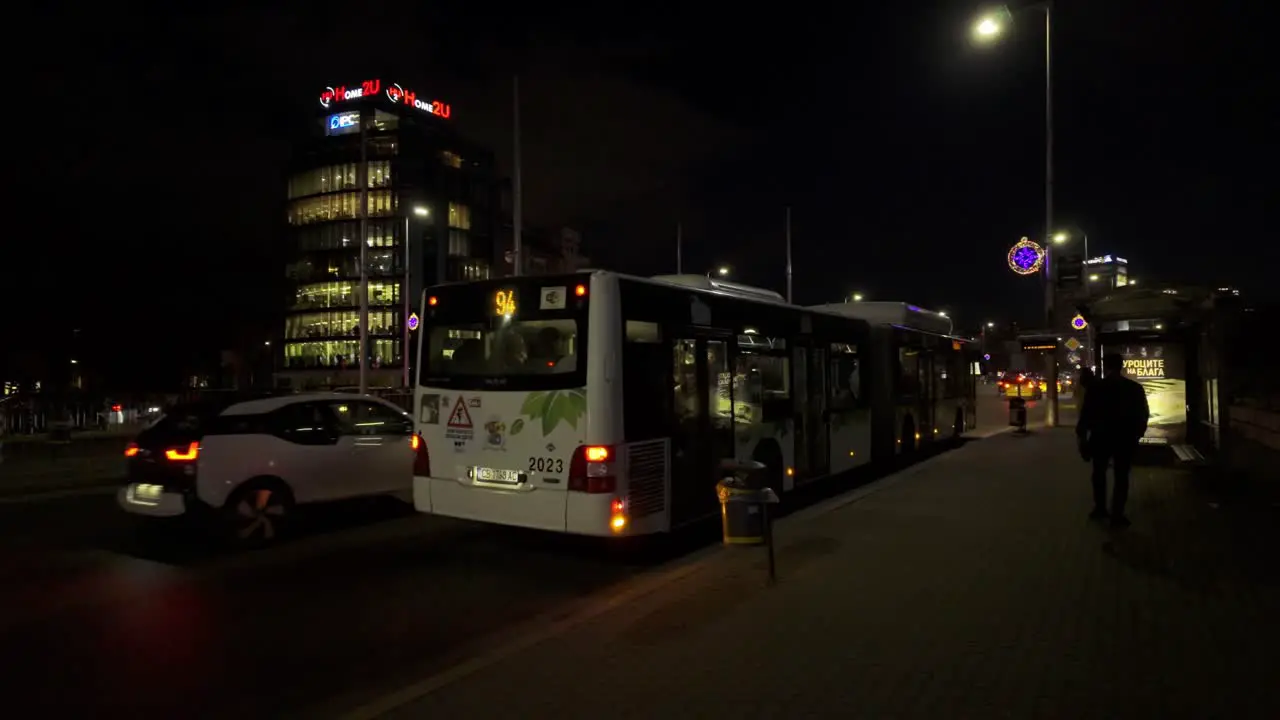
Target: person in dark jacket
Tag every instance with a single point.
(1112, 422)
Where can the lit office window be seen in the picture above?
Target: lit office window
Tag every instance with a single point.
(459, 216)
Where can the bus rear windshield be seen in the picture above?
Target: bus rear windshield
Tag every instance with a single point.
(528, 349)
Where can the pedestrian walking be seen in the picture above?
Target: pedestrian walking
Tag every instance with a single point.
(1112, 422)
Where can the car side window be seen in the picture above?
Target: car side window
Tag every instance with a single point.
(304, 424)
(362, 417)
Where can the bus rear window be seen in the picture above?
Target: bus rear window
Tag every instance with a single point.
(504, 348)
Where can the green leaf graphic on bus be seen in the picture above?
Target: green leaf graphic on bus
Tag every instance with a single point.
(551, 408)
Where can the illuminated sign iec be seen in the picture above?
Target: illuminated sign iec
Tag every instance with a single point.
(344, 120)
(1079, 323)
(413, 321)
(393, 92)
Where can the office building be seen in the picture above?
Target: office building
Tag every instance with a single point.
(1105, 273)
(432, 204)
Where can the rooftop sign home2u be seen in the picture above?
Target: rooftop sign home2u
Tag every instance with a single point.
(392, 91)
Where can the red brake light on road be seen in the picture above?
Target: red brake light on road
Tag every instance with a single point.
(596, 453)
(187, 454)
(433, 301)
(131, 450)
(115, 408)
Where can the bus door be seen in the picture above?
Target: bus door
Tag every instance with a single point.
(930, 390)
(702, 426)
(809, 385)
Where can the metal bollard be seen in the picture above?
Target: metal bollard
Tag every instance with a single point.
(744, 508)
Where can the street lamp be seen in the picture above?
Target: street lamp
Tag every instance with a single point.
(857, 297)
(405, 293)
(1062, 236)
(722, 271)
(988, 28)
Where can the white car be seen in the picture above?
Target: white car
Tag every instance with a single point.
(252, 462)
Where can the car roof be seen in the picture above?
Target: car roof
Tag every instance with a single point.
(265, 405)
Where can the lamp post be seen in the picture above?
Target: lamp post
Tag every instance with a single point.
(405, 293)
(989, 28)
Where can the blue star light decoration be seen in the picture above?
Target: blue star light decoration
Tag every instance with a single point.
(1079, 323)
(1026, 257)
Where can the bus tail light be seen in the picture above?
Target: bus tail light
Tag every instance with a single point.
(618, 515)
(186, 454)
(592, 471)
(421, 456)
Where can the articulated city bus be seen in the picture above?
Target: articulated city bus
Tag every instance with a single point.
(602, 404)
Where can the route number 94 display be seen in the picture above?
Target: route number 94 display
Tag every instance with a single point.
(547, 465)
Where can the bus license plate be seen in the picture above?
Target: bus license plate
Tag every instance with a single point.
(484, 474)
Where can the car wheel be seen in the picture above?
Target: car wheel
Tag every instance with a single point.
(257, 514)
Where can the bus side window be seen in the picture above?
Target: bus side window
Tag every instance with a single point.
(766, 383)
(846, 379)
(645, 388)
(908, 381)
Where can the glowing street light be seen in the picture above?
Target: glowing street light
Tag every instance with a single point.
(991, 324)
(857, 297)
(421, 211)
(987, 28)
(1060, 237)
(723, 271)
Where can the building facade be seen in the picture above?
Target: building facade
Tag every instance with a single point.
(432, 209)
(1105, 273)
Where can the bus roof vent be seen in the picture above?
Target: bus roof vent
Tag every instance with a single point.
(724, 287)
(893, 313)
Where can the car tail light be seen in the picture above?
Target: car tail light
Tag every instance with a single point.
(183, 454)
(592, 471)
(131, 450)
(422, 456)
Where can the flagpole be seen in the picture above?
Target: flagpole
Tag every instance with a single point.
(517, 195)
(788, 254)
(679, 249)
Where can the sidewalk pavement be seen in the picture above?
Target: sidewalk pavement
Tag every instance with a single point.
(971, 585)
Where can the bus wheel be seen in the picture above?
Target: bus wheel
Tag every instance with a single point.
(908, 435)
(959, 428)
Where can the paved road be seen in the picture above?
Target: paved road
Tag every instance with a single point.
(99, 622)
(371, 597)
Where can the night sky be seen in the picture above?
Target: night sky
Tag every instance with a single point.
(911, 159)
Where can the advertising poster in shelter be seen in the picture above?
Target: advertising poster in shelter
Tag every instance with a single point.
(1160, 369)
